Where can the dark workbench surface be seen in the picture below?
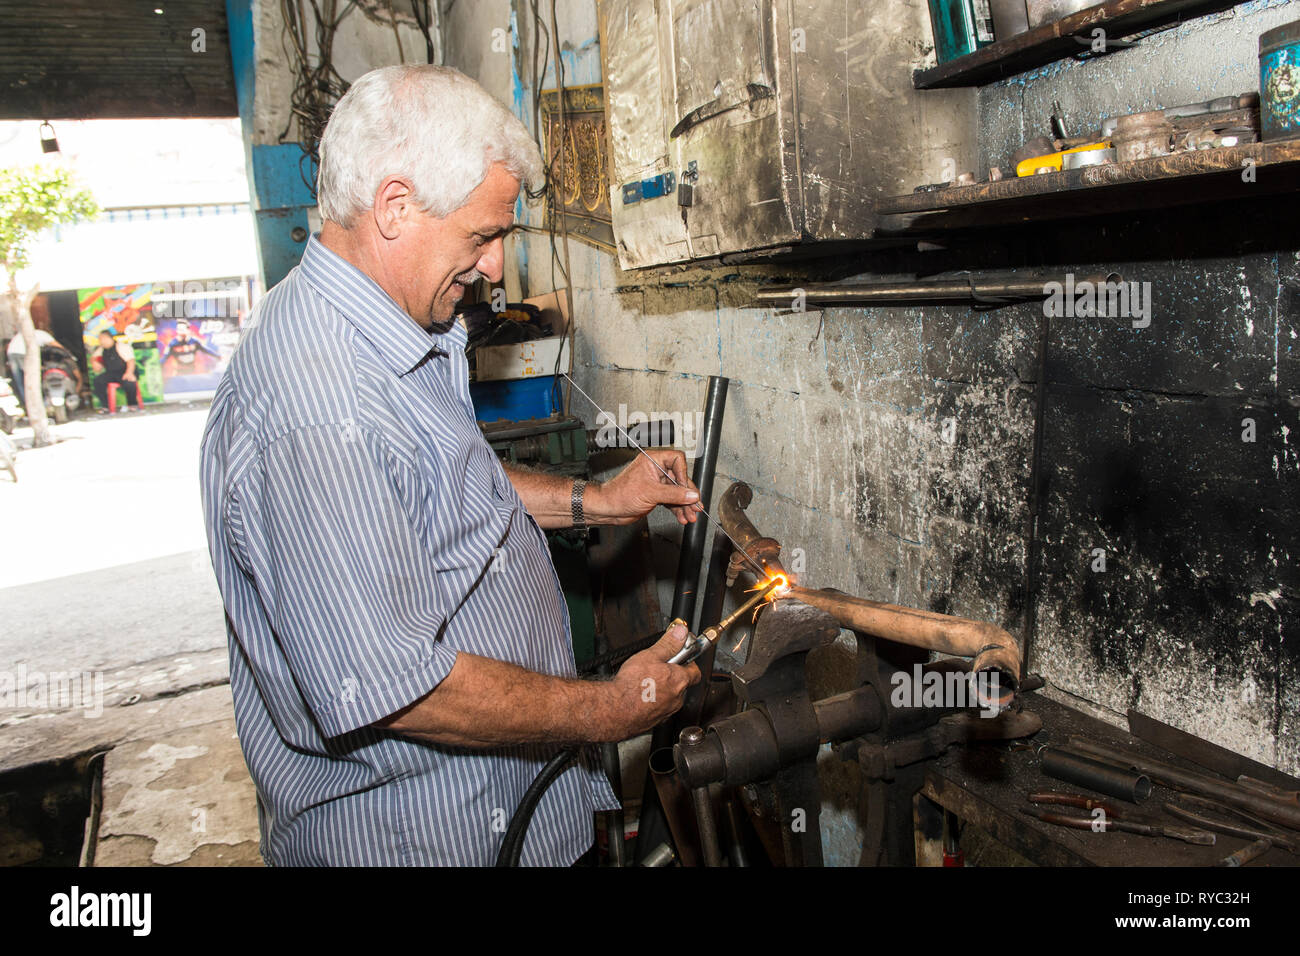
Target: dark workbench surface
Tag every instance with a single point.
(987, 785)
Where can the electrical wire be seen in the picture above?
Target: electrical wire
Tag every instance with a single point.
(317, 84)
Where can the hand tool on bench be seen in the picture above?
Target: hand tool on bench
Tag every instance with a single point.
(1221, 819)
(1273, 809)
(1108, 820)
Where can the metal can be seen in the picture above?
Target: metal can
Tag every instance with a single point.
(1279, 82)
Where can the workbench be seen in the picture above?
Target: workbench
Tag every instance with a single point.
(987, 785)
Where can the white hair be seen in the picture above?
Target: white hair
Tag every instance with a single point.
(431, 125)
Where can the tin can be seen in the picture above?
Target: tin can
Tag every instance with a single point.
(1279, 82)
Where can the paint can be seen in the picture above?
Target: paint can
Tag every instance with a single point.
(1279, 82)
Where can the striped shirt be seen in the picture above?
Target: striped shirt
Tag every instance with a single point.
(351, 503)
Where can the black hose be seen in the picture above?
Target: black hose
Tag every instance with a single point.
(617, 656)
(512, 847)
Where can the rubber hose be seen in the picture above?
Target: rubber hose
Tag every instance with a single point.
(512, 847)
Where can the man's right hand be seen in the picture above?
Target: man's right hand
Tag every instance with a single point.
(647, 688)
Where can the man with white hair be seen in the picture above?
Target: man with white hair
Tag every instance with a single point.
(400, 655)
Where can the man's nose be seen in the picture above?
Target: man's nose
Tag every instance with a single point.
(492, 262)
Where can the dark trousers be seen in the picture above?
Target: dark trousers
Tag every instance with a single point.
(103, 380)
(16, 373)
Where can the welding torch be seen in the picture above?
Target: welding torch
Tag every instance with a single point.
(696, 645)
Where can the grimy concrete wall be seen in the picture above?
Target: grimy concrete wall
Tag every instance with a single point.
(894, 445)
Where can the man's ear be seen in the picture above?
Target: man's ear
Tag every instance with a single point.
(394, 204)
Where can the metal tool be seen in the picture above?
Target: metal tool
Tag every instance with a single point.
(1095, 775)
(1222, 819)
(696, 644)
(1053, 162)
(1107, 822)
(762, 575)
(1274, 810)
(1248, 773)
(1246, 854)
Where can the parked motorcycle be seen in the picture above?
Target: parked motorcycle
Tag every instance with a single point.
(59, 383)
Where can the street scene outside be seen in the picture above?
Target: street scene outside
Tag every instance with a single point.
(117, 737)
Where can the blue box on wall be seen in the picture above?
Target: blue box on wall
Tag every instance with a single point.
(516, 399)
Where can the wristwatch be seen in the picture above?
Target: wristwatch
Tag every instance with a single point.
(575, 504)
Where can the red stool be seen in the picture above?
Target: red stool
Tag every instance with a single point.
(112, 396)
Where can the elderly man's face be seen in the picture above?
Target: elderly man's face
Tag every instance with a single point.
(444, 256)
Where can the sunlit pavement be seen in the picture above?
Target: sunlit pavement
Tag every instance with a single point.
(104, 562)
(104, 574)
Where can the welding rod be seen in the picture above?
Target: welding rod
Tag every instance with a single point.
(671, 480)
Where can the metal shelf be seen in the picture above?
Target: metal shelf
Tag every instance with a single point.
(1190, 177)
(1055, 41)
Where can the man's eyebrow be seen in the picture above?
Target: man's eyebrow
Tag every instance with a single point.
(501, 230)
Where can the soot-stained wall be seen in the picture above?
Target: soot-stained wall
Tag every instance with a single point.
(894, 445)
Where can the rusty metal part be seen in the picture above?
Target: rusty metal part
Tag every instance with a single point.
(1142, 136)
(1247, 853)
(1208, 755)
(1261, 805)
(1269, 790)
(933, 290)
(1095, 775)
(677, 806)
(1106, 824)
(1079, 800)
(742, 533)
(1212, 816)
(990, 647)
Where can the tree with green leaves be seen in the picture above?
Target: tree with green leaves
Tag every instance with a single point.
(31, 201)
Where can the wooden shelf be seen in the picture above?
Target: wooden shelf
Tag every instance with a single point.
(1190, 177)
(1055, 41)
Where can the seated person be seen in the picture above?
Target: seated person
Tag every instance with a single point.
(117, 359)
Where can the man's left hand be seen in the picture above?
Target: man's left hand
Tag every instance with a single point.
(636, 490)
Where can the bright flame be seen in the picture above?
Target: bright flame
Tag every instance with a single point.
(776, 585)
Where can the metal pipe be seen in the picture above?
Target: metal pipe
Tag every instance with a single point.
(674, 799)
(1260, 805)
(614, 820)
(650, 829)
(731, 516)
(662, 855)
(1073, 768)
(991, 647)
(706, 823)
(936, 290)
(736, 853)
(692, 553)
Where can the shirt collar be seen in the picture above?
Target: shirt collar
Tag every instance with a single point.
(400, 341)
